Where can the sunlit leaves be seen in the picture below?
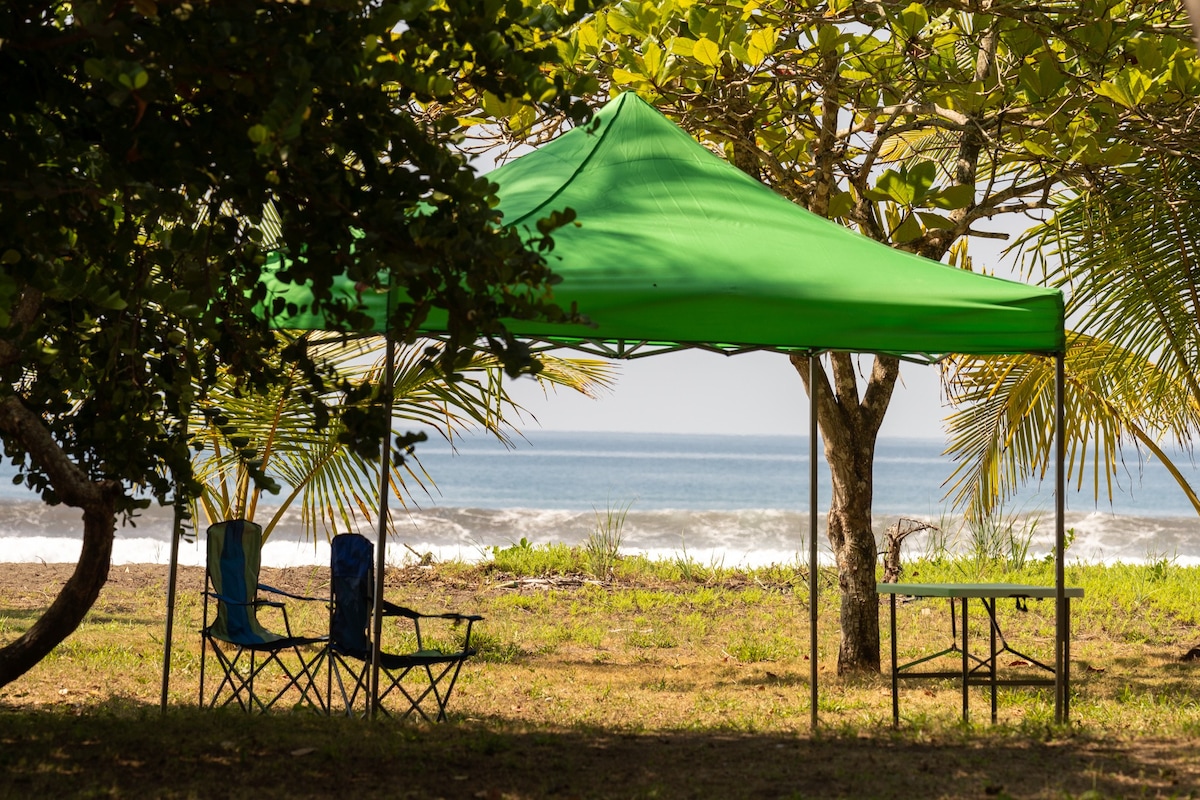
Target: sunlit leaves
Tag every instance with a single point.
(1129, 88)
(706, 52)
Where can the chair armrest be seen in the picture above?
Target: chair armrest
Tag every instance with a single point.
(232, 602)
(273, 590)
(393, 610)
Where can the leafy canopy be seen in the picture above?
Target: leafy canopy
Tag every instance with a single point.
(153, 152)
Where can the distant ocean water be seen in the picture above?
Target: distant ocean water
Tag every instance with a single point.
(717, 499)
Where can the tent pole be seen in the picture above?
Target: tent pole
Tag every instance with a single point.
(813, 365)
(1063, 622)
(385, 469)
(172, 585)
(172, 582)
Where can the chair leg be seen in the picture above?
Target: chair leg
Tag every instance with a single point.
(302, 678)
(240, 682)
(240, 686)
(415, 699)
(349, 697)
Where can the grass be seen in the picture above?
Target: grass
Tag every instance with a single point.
(651, 684)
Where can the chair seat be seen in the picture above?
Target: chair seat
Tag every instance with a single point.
(391, 661)
(282, 643)
(394, 661)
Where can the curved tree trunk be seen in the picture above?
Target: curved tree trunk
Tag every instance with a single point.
(98, 501)
(78, 595)
(849, 428)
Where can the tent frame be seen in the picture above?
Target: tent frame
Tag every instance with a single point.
(623, 350)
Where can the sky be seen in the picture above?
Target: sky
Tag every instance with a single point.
(700, 392)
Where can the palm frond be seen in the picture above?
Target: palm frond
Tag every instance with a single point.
(335, 488)
(1002, 430)
(1126, 253)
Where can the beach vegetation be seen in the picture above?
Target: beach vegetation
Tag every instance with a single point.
(602, 548)
(156, 155)
(920, 125)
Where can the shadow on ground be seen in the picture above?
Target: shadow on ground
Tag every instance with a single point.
(131, 751)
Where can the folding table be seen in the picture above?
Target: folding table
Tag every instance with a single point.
(976, 670)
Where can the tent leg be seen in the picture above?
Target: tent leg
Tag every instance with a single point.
(167, 634)
(385, 469)
(1062, 622)
(172, 584)
(813, 384)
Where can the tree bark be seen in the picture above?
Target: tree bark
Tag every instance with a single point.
(849, 428)
(98, 499)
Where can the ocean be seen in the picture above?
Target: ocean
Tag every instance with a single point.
(714, 499)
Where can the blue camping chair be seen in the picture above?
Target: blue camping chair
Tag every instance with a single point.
(243, 648)
(421, 675)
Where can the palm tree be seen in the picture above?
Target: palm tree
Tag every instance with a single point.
(276, 436)
(1125, 252)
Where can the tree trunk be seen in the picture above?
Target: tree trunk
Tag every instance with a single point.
(849, 427)
(78, 595)
(99, 502)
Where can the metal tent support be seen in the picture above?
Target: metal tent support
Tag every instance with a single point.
(1062, 711)
(172, 585)
(385, 469)
(813, 386)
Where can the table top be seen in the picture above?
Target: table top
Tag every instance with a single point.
(974, 590)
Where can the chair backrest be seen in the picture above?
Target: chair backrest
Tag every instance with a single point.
(234, 560)
(351, 582)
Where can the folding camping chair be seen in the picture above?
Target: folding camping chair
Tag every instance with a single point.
(423, 674)
(244, 649)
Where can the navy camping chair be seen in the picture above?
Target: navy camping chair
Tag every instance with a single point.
(423, 675)
(244, 649)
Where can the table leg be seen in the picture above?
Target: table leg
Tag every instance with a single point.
(991, 609)
(1066, 665)
(895, 677)
(965, 663)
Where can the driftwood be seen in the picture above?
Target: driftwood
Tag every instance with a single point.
(549, 582)
(892, 540)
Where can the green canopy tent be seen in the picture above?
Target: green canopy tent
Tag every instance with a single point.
(675, 248)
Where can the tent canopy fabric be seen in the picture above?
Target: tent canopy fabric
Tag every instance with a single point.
(676, 247)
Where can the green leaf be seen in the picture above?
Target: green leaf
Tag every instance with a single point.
(135, 78)
(587, 37)
(952, 197)
(1185, 73)
(739, 51)
(913, 20)
(258, 133)
(893, 186)
(653, 58)
(624, 76)
(1129, 88)
(683, 47)
(920, 178)
(841, 204)
(762, 44)
(908, 230)
(706, 52)
(931, 220)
